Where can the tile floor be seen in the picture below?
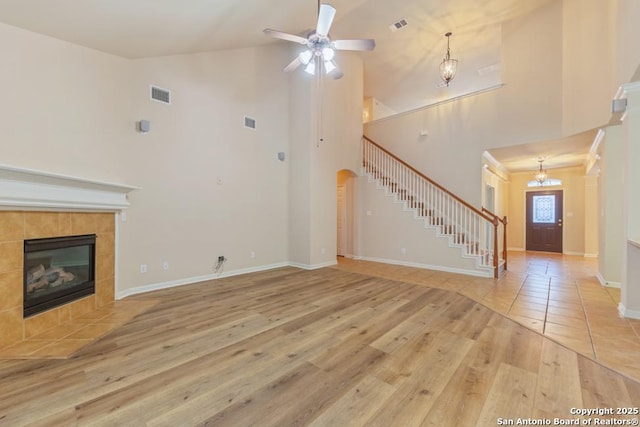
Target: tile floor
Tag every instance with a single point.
(556, 295)
(63, 341)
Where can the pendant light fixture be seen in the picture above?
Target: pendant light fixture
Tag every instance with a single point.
(448, 66)
(541, 175)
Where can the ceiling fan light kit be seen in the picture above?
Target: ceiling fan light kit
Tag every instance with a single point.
(321, 50)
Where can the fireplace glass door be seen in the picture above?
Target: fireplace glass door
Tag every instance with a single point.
(57, 271)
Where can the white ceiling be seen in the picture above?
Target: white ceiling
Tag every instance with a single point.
(557, 153)
(402, 72)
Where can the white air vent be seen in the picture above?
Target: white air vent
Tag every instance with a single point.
(249, 122)
(489, 69)
(161, 95)
(398, 25)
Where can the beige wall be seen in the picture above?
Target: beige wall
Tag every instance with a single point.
(64, 108)
(574, 216)
(326, 129)
(209, 186)
(610, 201)
(630, 292)
(527, 108)
(390, 233)
(556, 84)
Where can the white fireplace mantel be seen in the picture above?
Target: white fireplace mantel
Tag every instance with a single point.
(30, 189)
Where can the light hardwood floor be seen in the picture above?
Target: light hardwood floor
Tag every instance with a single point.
(330, 347)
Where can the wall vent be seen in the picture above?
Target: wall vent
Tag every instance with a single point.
(161, 95)
(398, 25)
(249, 122)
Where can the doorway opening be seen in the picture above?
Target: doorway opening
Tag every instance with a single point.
(345, 213)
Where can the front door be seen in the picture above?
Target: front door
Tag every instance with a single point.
(544, 221)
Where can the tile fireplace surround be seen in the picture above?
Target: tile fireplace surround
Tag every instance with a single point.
(15, 227)
(36, 204)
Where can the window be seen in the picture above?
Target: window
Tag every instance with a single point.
(550, 182)
(544, 209)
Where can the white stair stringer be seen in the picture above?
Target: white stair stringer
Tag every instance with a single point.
(440, 225)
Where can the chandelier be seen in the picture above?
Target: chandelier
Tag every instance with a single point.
(448, 66)
(541, 175)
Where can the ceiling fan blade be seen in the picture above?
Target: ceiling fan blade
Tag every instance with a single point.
(285, 36)
(360, 44)
(293, 65)
(325, 19)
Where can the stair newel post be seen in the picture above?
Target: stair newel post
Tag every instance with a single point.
(504, 241)
(496, 260)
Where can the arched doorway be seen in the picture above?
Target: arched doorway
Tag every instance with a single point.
(345, 216)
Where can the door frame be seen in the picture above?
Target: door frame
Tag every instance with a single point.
(343, 212)
(539, 190)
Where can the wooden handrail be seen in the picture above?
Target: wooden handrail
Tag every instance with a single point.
(502, 220)
(504, 233)
(474, 209)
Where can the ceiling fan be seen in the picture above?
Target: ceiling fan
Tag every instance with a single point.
(321, 49)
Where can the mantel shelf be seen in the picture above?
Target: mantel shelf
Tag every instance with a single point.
(29, 189)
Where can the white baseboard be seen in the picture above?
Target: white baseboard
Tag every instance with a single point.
(625, 312)
(191, 280)
(570, 253)
(606, 283)
(488, 273)
(515, 249)
(591, 255)
(312, 266)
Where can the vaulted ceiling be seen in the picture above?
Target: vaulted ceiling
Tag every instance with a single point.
(402, 72)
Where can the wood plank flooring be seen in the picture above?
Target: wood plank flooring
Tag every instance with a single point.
(328, 347)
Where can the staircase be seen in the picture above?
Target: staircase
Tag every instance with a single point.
(477, 233)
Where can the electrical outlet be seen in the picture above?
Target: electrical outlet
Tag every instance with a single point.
(322, 251)
(143, 268)
(252, 254)
(403, 251)
(165, 265)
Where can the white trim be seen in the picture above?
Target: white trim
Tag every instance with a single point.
(437, 103)
(515, 249)
(571, 253)
(629, 88)
(313, 266)
(116, 253)
(625, 312)
(596, 142)
(591, 255)
(491, 161)
(477, 273)
(191, 280)
(30, 189)
(606, 283)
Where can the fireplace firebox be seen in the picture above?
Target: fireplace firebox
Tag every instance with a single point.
(57, 271)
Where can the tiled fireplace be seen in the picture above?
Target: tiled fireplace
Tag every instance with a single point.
(37, 205)
(18, 226)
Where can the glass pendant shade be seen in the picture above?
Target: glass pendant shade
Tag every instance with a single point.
(448, 66)
(541, 175)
